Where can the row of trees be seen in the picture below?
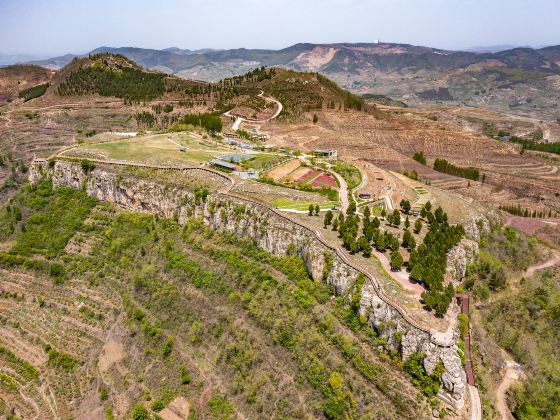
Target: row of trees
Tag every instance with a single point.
(525, 212)
(534, 145)
(33, 92)
(442, 165)
(209, 121)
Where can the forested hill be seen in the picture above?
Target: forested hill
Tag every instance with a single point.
(116, 75)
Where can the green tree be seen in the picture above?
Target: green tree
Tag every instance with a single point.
(395, 218)
(315, 118)
(367, 214)
(383, 212)
(328, 218)
(335, 225)
(417, 226)
(408, 240)
(406, 223)
(396, 261)
(311, 209)
(405, 205)
(317, 209)
(419, 157)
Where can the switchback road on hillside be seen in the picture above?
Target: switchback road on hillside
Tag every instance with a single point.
(239, 120)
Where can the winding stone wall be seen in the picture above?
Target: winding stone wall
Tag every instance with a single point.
(274, 233)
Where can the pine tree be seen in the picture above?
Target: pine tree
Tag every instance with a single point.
(311, 209)
(317, 209)
(406, 223)
(396, 261)
(335, 225)
(328, 218)
(417, 226)
(395, 218)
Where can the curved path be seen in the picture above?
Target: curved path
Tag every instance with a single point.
(512, 375)
(551, 262)
(239, 120)
(402, 277)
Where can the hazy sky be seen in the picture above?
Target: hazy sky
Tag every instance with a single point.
(78, 26)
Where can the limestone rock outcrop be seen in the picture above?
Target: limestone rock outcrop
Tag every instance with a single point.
(275, 234)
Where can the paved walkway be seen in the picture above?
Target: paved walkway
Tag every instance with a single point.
(476, 405)
(402, 277)
(342, 191)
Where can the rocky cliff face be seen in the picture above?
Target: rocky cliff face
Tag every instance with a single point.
(276, 235)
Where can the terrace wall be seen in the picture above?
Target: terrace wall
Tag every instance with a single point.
(276, 233)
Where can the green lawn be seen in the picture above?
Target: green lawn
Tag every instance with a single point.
(263, 161)
(285, 203)
(153, 149)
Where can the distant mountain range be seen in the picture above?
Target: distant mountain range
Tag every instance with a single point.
(523, 80)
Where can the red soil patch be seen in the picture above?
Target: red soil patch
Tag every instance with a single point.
(324, 180)
(310, 174)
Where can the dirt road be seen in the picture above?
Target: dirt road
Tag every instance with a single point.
(239, 120)
(513, 374)
(551, 262)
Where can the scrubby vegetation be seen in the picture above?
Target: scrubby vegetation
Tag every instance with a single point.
(501, 252)
(189, 296)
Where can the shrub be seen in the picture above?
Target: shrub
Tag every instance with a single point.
(220, 407)
(168, 346)
(139, 412)
(56, 270)
(429, 384)
(87, 165)
(185, 377)
(158, 405)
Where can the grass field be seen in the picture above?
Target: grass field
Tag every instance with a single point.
(263, 161)
(285, 203)
(154, 149)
